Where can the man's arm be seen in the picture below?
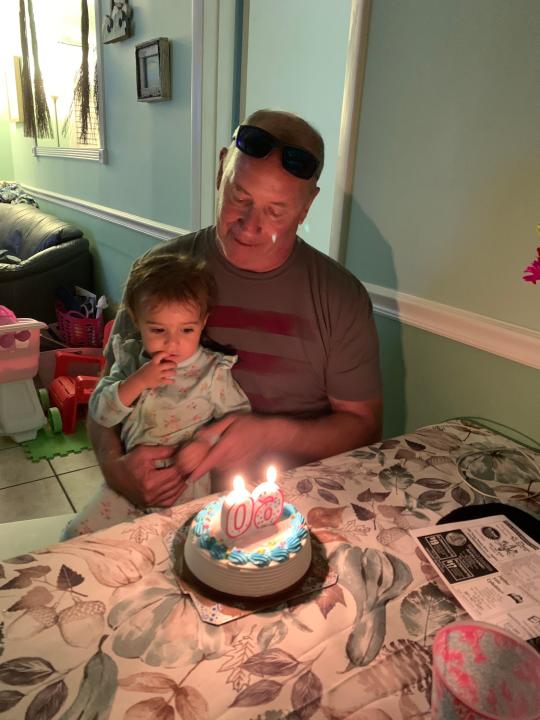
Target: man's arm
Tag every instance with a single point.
(352, 424)
(244, 439)
(134, 475)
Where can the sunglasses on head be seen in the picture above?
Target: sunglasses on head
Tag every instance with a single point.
(259, 143)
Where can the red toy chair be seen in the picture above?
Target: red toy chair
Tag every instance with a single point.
(67, 392)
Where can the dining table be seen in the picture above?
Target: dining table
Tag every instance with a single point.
(105, 626)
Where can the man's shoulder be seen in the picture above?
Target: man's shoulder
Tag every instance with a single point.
(335, 276)
(195, 244)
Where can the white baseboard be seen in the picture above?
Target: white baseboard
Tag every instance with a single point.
(494, 336)
(133, 222)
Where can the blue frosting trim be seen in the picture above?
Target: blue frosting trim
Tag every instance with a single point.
(279, 554)
(219, 551)
(198, 523)
(293, 544)
(238, 557)
(206, 542)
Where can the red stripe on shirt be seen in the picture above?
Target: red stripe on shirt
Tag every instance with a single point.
(263, 363)
(272, 405)
(262, 404)
(228, 316)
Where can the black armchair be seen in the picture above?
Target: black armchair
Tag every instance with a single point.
(38, 253)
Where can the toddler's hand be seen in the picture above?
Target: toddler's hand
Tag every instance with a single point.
(190, 456)
(157, 371)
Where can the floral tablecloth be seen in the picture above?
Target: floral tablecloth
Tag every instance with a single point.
(98, 627)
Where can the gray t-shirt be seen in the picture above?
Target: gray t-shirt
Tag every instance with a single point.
(303, 332)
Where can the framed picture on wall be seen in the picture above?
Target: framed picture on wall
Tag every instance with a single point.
(153, 70)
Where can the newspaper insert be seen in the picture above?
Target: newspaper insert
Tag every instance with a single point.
(493, 570)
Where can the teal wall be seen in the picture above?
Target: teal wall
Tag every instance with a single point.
(428, 378)
(296, 61)
(6, 160)
(114, 248)
(446, 197)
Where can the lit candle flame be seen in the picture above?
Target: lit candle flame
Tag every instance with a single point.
(271, 475)
(238, 483)
(239, 494)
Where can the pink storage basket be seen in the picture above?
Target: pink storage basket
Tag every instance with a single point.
(77, 330)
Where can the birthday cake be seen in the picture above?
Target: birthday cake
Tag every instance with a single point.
(262, 560)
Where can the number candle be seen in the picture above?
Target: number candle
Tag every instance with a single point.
(268, 500)
(237, 510)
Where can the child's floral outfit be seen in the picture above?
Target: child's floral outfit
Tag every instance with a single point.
(204, 389)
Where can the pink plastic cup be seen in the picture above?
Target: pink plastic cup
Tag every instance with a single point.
(481, 672)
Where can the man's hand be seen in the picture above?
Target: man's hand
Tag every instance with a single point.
(142, 483)
(242, 440)
(191, 455)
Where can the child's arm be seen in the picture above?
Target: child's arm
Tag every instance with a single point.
(157, 371)
(104, 405)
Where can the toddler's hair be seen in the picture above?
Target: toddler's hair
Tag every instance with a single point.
(166, 278)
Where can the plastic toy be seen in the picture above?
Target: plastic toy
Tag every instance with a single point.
(21, 415)
(67, 392)
(7, 317)
(47, 445)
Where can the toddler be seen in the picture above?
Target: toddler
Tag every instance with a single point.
(163, 385)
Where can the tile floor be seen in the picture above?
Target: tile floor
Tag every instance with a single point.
(45, 488)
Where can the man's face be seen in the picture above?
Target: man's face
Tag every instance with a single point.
(260, 206)
(173, 328)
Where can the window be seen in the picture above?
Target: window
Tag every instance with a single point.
(60, 61)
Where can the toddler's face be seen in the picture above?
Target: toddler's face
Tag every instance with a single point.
(173, 328)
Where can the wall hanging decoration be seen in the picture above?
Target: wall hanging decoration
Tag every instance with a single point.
(26, 77)
(117, 25)
(37, 120)
(82, 90)
(153, 70)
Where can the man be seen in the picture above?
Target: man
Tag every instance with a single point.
(301, 325)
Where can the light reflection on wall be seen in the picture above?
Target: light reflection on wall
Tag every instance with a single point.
(9, 48)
